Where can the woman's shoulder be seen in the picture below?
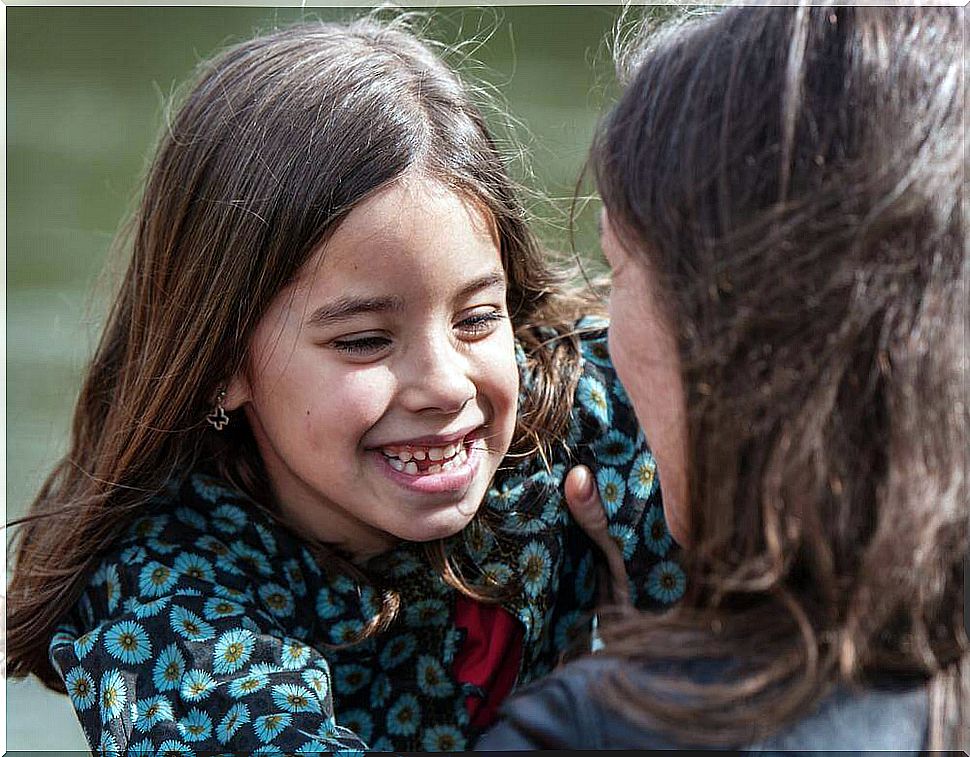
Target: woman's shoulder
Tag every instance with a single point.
(567, 711)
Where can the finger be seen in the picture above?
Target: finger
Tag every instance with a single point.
(584, 503)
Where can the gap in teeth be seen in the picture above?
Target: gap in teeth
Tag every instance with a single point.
(440, 458)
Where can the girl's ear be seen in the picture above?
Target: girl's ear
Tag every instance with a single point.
(238, 392)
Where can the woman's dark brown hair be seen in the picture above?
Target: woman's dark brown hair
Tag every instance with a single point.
(277, 141)
(793, 179)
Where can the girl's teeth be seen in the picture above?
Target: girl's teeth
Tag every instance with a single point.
(411, 468)
(419, 454)
(395, 463)
(436, 453)
(405, 455)
(433, 468)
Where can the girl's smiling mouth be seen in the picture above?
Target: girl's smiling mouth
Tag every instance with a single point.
(434, 464)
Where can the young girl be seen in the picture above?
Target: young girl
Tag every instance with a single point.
(317, 461)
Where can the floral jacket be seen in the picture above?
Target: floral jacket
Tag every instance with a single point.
(210, 627)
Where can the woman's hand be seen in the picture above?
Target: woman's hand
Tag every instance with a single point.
(584, 503)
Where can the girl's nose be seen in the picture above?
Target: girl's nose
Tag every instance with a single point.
(437, 379)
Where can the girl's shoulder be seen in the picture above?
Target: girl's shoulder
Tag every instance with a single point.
(200, 622)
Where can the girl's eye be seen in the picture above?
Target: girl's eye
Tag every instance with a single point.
(479, 324)
(361, 346)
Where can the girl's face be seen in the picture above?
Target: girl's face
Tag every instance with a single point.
(644, 352)
(382, 384)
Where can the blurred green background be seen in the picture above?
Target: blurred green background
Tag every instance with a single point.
(86, 90)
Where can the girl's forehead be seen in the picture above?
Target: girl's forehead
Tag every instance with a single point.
(412, 234)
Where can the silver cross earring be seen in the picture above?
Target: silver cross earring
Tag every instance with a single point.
(218, 418)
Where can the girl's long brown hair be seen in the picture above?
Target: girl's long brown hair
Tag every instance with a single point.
(794, 182)
(277, 141)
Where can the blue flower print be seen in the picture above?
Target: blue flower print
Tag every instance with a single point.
(346, 631)
(401, 564)
(268, 727)
(80, 688)
(108, 747)
(267, 751)
(253, 681)
(655, 533)
(597, 351)
(507, 494)
(497, 572)
(554, 511)
(233, 593)
(128, 641)
(294, 654)
(329, 605)
(189, 625)
(169, 668)
(235, 718)
(156, 579)
(593, 396)
(570, 628)
(191, 518)
(315, 748)
(380, 691)
(397, 650)
(195, 726)
(293, 698)
(427, 612)
(144, 748)
(615, 448)
(107, 576)
(173, 747)
(358, 721)
(253, 558)
(85, 643)
(666, 581)
(142, 610)
(443, 738)
(432, 678)
(194, 566)
(210, 489)
(228, 518)
(113, 696)
(196, 685)
(148, 527)
(619, 392)
(152, 711)
(383, 744)
(294, 574)
(233, 650)
(268, 540)
(625, 538)
(612, 488)
(534, 567)
(134, 555)
(161, 546)
(211, 544)
(480, 542)
(351, 677)
(449, 645)
(219, 607)
(318, 681)
(276, 599)
(643, 476)
(105, 572)
(523, 522)
(404, 717)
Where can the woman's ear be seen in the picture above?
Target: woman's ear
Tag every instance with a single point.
(238, 392)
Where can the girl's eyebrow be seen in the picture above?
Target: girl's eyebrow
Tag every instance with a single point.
(490, 279)
(347, 307)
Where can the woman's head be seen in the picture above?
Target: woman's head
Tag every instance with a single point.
(786, 188)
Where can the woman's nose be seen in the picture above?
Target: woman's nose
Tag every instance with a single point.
(437, 378)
